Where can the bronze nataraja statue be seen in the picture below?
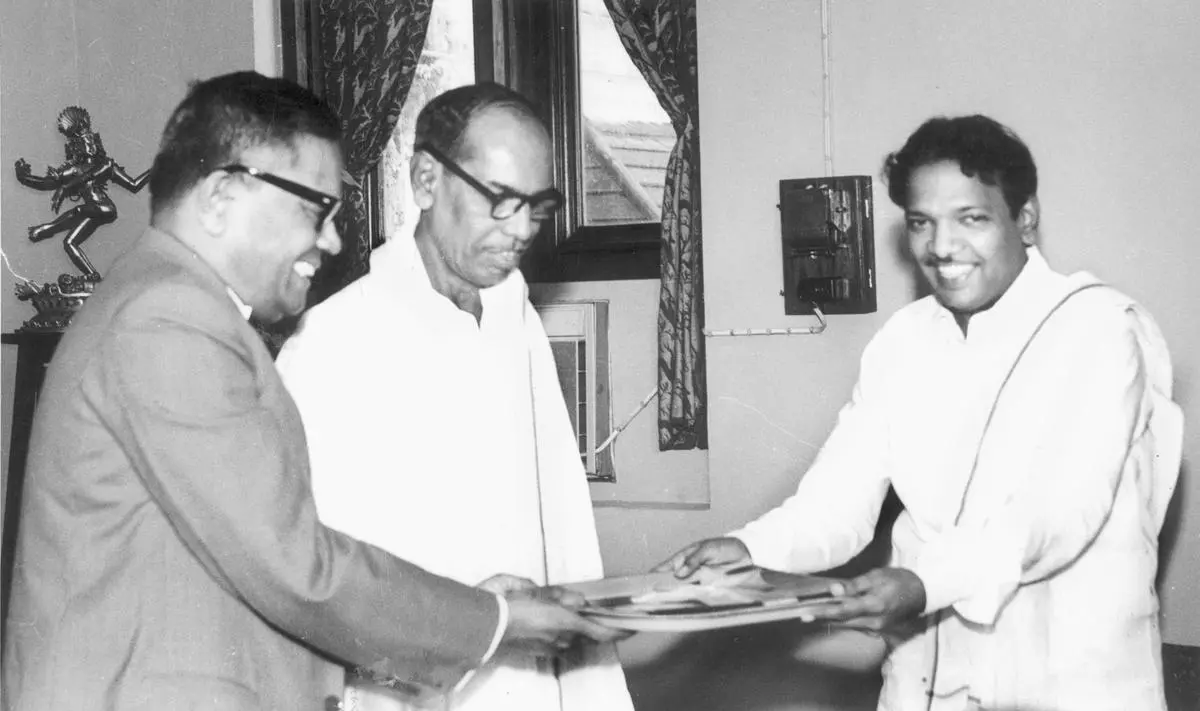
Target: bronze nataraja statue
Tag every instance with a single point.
(83, 177)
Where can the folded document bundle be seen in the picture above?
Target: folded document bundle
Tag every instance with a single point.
(709, 599)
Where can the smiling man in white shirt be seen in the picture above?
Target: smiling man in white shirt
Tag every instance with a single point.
(1024, 419)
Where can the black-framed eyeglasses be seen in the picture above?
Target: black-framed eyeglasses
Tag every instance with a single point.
(328, 204)
(505, 203)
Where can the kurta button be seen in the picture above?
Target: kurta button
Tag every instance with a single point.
(333, 703)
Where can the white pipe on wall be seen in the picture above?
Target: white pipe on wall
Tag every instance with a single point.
(826, 87)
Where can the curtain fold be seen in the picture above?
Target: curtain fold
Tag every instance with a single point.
(660, 37)
(368, 56)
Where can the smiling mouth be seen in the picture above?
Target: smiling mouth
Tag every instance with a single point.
(952, 274)
(304, 270)
(508, 256)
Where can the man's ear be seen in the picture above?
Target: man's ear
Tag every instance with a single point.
(213, 201)
(1027, 220)
(424, 173)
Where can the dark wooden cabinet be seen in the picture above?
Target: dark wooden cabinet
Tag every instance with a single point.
(34, 350)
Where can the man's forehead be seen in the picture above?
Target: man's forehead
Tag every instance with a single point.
(948, 178)
(299, 150)
(503, 128)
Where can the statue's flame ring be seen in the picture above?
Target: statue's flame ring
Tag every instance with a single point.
(73, 118)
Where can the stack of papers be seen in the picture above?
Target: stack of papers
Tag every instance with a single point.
(709, 599)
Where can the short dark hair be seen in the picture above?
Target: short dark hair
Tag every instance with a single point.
(982, 147)
(222, 117)
(444, 121)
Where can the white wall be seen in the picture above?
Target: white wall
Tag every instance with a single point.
(128, 63)
(678, 480)
(1104, 93)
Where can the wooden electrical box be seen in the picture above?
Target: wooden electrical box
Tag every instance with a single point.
(828, 231)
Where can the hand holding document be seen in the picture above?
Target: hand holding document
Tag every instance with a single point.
(710, 597)
(722, 553)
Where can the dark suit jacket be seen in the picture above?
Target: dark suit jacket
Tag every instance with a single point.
(170, 555)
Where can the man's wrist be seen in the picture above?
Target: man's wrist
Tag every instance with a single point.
(497, 637)
(501, 628)
(917, 600)
(937, 587)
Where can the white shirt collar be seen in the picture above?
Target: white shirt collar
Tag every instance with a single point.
(399, 264)
(1013, 308)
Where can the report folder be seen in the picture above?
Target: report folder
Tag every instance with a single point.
(709, 599)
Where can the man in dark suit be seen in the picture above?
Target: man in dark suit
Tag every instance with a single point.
(170, 555)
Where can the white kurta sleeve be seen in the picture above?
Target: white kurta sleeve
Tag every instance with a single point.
(313, 367)
(1095, 384)
(833, 513)
(335, 398)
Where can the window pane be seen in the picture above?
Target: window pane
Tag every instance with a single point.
(627, 137)
(447, 61)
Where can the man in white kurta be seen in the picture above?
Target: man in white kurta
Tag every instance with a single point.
(1034, 451)
(436, 425)
(1031, 621)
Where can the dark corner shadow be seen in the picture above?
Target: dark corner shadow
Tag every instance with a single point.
(549, 292)
(752, 668)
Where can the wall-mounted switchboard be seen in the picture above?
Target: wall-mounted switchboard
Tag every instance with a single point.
(828, 231)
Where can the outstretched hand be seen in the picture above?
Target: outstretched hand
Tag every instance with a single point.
(877, 601)
(503, 584)
(710, 552)
(541, 623)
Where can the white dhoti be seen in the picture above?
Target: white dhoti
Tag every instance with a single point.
(447, 442)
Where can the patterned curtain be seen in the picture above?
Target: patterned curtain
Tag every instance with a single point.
(660, 36)
(369, 50)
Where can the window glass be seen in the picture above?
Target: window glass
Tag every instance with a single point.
(447, 61)
(626, 135)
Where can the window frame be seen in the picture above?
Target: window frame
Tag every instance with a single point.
(585, 323)
(300, 59)
(532, 46)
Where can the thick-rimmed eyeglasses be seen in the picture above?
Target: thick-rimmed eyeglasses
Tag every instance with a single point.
(328, 204)
(505, 203)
